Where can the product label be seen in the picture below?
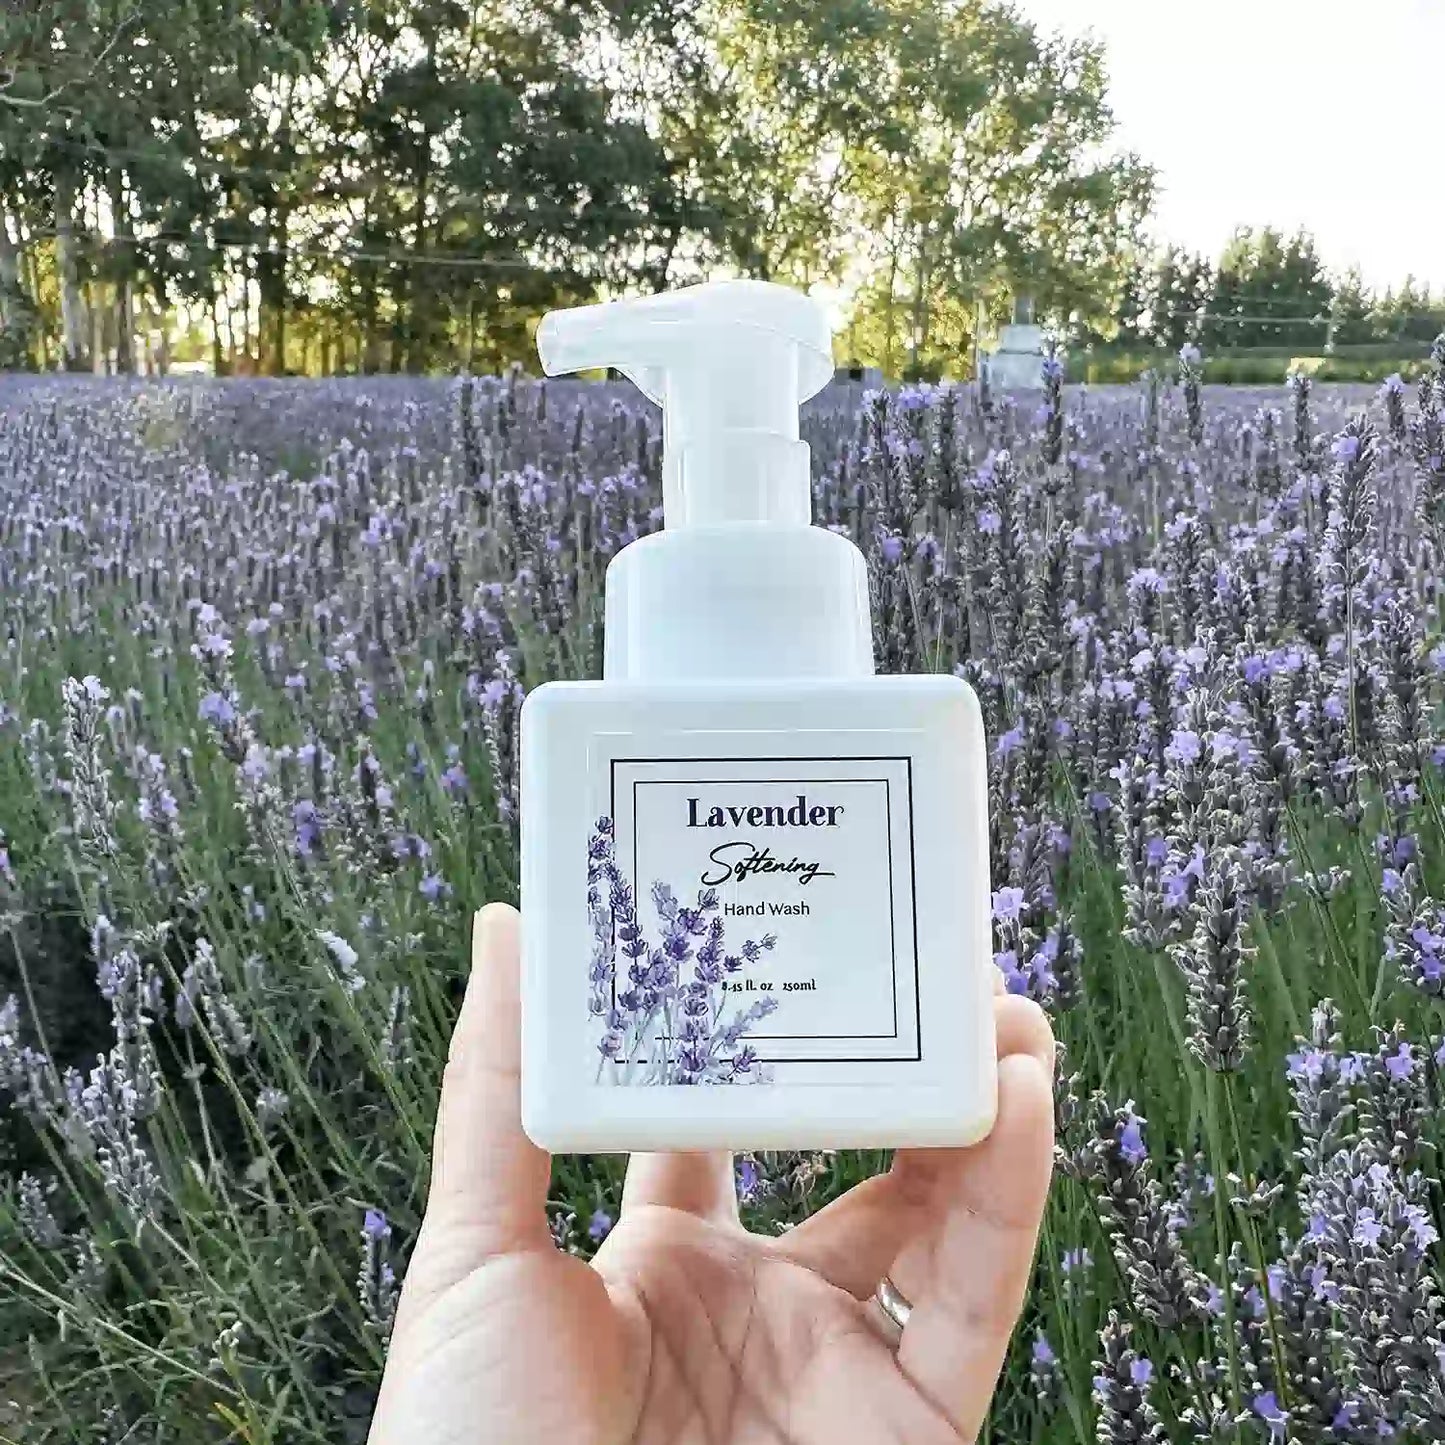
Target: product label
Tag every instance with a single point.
(750, 912)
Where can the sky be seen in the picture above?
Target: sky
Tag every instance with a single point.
(1325, 114)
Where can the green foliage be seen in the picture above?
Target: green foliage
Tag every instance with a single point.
(1265, 295)
(1109, 367)
(407, 184)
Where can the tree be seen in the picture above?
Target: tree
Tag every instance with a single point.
(58, 56)
(1270, 292)
(945, 149)
(1184, 285)
(1353, 313)
(1132, 319)
(417, 179)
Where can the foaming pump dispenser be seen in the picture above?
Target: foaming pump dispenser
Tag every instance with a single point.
(755, 891)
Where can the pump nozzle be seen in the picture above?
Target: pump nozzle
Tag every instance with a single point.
(729, 362)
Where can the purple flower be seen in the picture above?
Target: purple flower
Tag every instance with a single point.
(214, 644)
(1008, 904)
(1043, 1351)
(307, 822)
(1007, 963)
(1267, 1407)
(1368, 1228)
(989, 521)
(1184, 747)
(1401, 1064)
(433, 886)
(1352, 1068)
(599, 1226)
(1141, 1372)
(1010, 740)
(1422, 1227)
(375, 1226)
(1131, 1140)
(218, 709)
(750, 1179)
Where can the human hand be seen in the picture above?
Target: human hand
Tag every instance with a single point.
(685, 1327)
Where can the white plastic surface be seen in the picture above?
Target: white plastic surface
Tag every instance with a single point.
(729, 363)
(933, 1082)
(738, 583)
(739, 718)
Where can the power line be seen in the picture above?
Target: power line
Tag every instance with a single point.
(581, 211)
(1206, 318)
(397, 258)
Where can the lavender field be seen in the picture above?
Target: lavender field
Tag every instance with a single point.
(264, 646)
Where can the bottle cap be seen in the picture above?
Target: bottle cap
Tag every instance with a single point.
(739, 584)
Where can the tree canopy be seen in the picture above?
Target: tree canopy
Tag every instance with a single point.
(1266, 291)
(406, 184)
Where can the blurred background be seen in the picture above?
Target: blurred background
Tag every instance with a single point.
(365, 186)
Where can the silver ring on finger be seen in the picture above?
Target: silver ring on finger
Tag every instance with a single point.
(891, 1309)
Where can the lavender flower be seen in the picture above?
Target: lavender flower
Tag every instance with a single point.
(93, 810)
(377, 1286)
(201, 986)
(1191, 373)
(36, 1216)
(665, 1019)
(105, 1113)
(501, 699)
(24, 1072)
(1053, 410)
(1122, 1390)
(272, 1105)
(1212, 962)
(1203, 633)
(345, 960)
(1166, 1288)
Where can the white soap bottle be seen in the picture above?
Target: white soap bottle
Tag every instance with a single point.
(755, 875)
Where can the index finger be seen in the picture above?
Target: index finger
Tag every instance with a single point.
(489, 1181)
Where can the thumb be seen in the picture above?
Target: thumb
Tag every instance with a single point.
(489, 1181)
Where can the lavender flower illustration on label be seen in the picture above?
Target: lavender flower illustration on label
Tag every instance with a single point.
(661, 1007)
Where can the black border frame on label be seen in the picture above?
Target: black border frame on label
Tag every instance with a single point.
(904, 758)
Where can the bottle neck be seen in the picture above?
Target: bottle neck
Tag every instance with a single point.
(744, 600)
(740, 475)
